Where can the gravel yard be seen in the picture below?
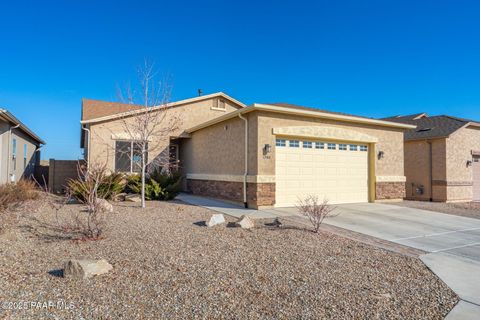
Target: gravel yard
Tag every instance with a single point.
(168, 267)
(465, 209)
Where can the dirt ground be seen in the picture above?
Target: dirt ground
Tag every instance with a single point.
(465, 209)
(168, 265)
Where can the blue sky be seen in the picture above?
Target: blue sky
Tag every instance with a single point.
(373, 58)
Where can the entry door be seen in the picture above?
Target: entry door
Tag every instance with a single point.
(330, 170)
(476, 178)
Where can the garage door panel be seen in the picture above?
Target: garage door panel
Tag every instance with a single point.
(341, 176)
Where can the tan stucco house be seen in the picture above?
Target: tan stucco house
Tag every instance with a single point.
(264, 155)
(19, 149)
(442, 158)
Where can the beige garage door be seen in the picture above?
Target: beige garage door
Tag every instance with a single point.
(476, 179)
(334, 171)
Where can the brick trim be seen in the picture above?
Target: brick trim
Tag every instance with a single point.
(452, 183)
(389, 190)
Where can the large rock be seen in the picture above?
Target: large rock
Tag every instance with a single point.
(245, 222)
(104, 205)
(133, 198)
(120, 197)
(86, 268)
(215, 219)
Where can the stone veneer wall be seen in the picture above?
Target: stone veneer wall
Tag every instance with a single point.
(258, 194)
(389, 190)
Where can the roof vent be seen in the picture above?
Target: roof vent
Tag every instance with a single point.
(424, 129)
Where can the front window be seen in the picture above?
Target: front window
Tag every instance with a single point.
(128, 157)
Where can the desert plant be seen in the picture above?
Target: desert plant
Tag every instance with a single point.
(15, 193)
(159, 185)
(314, 210)
(109, 186)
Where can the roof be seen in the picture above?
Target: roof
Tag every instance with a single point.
(98, 111)
(432, 127)
(294, 106)
(297, 110)
(7, 116)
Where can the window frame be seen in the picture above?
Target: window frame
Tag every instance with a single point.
(307, 144)
(280, 142)
(133, 144)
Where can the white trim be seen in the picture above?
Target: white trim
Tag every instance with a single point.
(231, 177)
(295, 111)
(391, 179)
(328, 133)
(167, 105)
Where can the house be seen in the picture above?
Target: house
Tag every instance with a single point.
(263, 155)
(442, 158)
(19, 149)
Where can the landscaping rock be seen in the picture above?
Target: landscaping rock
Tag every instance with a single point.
(120, 197)
(245, 222)
(215, 219)
(86, 268)
(104, 205)
(133, 198)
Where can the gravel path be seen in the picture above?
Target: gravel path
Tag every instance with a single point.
(465, 209)
(168, 267)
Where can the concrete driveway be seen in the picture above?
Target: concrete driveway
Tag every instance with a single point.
(452, 243)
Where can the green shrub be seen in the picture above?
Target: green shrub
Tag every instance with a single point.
(158, 185)
(110, 185)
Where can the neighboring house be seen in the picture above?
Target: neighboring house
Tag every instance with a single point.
(442, 158)
(265, 154)
(19, 149)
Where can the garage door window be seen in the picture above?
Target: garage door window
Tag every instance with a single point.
(294, 143)
(319, 145)
(363, 148)
(281, 143)
(307, 144)
(342, 147)
(332, 146)
(353, 147)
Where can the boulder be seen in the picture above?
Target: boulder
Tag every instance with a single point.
(245, 222)
(85, 268)
(120, 197)
(215, 219)
(104, 205)
(133, 198)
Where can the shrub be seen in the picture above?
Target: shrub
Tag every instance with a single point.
(15, 193)
(108, 186)
(314, 210)
(158, 185)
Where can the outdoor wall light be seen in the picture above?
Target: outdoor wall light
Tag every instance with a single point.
(469, 163)
(267, 149)
(381, 154)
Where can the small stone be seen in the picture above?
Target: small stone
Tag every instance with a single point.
(86, 268)
(245, 222)
(276, 223)
(120, 197)
(215, 219)
(133, 198)
(104, 205)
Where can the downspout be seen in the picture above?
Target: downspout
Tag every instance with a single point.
(246, 161)
(431, 169)
(9, 176)
(88, 145)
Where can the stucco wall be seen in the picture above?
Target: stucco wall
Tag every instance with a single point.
(459, 177)
(16, 167)
(220, 149)
(103, 135)
(390, 141)
(417, 169)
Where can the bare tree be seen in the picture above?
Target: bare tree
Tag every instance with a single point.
(149, 124)
(314, 210)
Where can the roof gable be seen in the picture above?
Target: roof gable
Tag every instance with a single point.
(97, 110)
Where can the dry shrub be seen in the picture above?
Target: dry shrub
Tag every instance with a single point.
(12, 194)
(314, 210)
